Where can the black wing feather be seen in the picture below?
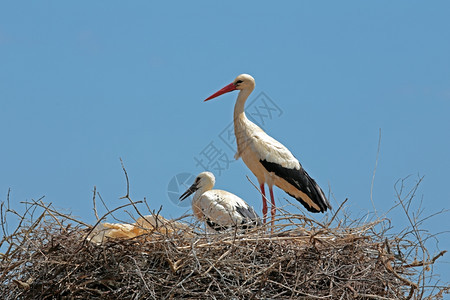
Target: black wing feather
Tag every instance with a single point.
(251, 219)
(300, 179)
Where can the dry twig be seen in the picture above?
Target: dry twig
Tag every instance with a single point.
(47, 258)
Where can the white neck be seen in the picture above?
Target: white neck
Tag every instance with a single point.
(241, 123)
(240, 103)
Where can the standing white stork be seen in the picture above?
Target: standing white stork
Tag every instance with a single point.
(270, 161)
(219, 209)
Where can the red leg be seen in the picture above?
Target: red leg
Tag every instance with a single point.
(264, 203)
(273, 209)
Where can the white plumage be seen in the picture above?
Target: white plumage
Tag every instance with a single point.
(270, 161)
(219, 209)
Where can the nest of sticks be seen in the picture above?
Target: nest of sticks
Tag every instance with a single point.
(49, 255)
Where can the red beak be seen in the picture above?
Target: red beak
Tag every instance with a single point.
(227, 89)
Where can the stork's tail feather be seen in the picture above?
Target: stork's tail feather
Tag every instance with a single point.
(318, 193)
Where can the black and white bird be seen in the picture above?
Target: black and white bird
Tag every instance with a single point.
(270, 161)
(220, 210)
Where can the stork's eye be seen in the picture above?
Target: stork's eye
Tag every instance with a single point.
(239, 81)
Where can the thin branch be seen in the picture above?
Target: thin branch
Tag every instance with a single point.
(94, 203)
(337, 211)
(128, 182)
(41, 204)
(374, 172)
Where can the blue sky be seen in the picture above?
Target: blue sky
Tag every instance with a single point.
(82, 84)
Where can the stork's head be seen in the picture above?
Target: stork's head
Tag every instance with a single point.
(204, 181)
(242, 82)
